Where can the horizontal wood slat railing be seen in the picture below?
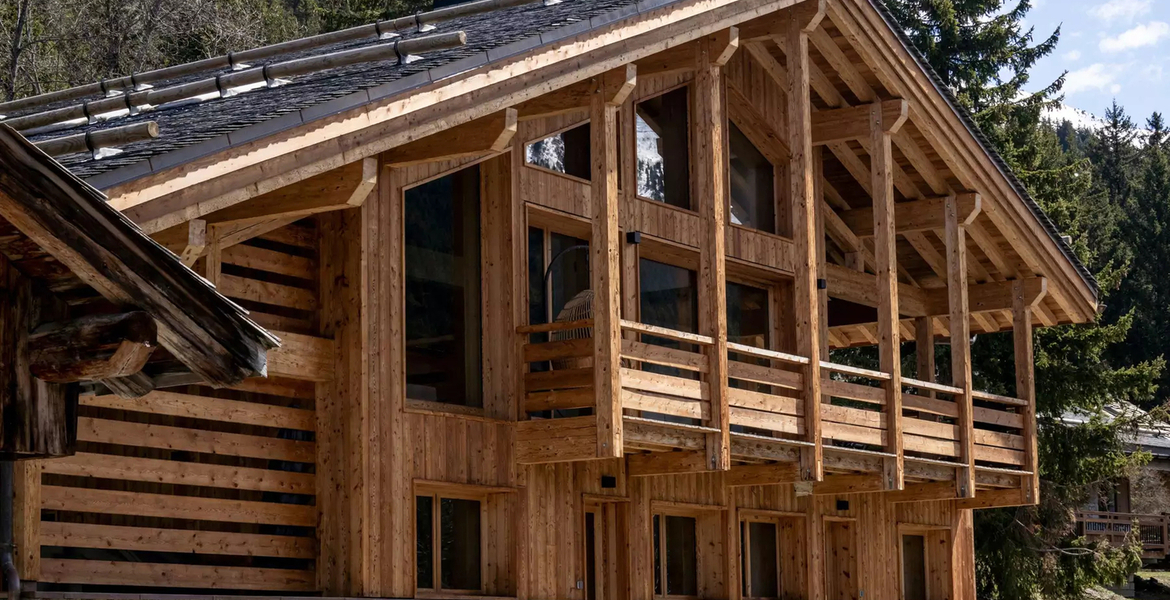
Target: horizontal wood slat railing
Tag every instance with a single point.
(560, 370)
(664, 374)
(1152, 530)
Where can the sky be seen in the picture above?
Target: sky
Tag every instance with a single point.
(1110, 49)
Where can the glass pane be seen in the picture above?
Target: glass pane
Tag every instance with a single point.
(566, 152)
(442, 260)
(424, 542)
(747, 315)
(763, 553)
(669, 296)
(681, 557)
(913, 567)
(657, 555)
(537, 309)
(664, 149)
(753, 201)
(459, 528)
(590, 558)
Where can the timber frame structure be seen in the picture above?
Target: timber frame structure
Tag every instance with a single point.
(648, 447)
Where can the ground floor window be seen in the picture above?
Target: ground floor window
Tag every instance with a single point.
(448, 534)
(675, 556)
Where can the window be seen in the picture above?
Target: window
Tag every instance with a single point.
(753, 199)
(760, 551)
(565, 152)
(444, 333)
(675, 541)
(668, 296)
(551, 290)
(663, 139)
(747, 315)
(913, 567)
(452, 564)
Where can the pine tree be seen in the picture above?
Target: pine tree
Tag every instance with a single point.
(1114, 153)
(984, 54)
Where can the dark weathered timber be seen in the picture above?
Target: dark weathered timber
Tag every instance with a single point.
(93, 347)
(130, 386)
(39, 418)
(71, 221)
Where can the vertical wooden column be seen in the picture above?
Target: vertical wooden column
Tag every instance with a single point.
(1026, 388)
(606, 263)
(26, 517)
(819, 208)
(803, 19)
(924, 351)
(881, 164)
(710, 176)
(960, 315)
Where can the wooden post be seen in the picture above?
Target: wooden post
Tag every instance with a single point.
(886, 258)
(710, 174)
(1026, 388)
(956, 241)
(819, 208)
(606, 270)
(804, 18)
(26, 516)
(924, 351)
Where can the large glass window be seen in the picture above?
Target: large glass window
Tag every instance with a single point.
(565, 152)
(458, 529)
(668, 296)
(443, 325)
(558, 272)
(675, 540)
(664, 151)
(753, 201)
(747, 315)
(759, 545)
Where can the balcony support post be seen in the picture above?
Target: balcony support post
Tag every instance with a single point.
(710, 175)
(886, 258)
(606, 271)
(1026, 388)
(924, 351)
(960, 315)
(802, 20)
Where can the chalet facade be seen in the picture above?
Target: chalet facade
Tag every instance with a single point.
(559, 299)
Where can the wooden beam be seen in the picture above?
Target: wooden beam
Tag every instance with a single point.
(1026, 389)
(916, 215)
(605, 246)
(834, 485)
(766, 474)
(855, 122)
(339, 189)
(861, 288)
(613, 86)
(801, 19)
(999, 498)
(960, 321)
(485, 135)
(92, 348)
(665, 463)
(196, 241)
(710, 181)
(302, 357)
(922, 492)
(886, 258)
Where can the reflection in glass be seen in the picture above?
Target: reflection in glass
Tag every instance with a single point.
(663, 148)
(753, 201)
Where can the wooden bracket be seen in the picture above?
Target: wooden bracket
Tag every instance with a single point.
(486, 135)
(857, 122)
(808, 14)
(614, 86)
(196, 241)
(92, 348)
(722, 46)
(345, 187)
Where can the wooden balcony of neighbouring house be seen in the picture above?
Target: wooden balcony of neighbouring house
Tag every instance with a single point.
(1116, 528)
(669, 416)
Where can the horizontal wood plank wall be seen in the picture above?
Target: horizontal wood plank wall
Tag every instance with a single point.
(187, 489)
(274, 276)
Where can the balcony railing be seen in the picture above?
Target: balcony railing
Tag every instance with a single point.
(665, 384)
(1116, 527)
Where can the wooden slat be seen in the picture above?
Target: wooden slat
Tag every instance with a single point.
(559, 399)
(855, 371)
(165, 575)
(765, 375)
(681, 336)
(558, 379)
(763, 353)
(266, 292)
(132, 468)
(664, 384)
(765, 402)
(853, 391)
(302, 357)
(211, 409)
(272, 261)
(766, 420)
(177, 507)
(149, 539)
(144, 435)
(661, 355)
(669, 406)
(997, 398)
(578, 348)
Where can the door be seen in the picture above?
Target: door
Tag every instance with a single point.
(605, 563)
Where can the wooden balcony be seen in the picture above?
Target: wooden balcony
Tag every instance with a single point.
(666, 406)
(1116, 528)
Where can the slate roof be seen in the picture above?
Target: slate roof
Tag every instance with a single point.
(194, 130)
(1151, 437)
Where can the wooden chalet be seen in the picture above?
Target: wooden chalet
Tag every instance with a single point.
(562, 298)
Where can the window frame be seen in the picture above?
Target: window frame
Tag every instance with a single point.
(438, 490)
(660, 565)
(543, 136)
(633, 133)
(926, 532)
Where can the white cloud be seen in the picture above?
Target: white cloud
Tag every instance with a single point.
(1125, 10)
(1096, 76)
(1143, 35)
(1115, 88)
(1074, 55)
